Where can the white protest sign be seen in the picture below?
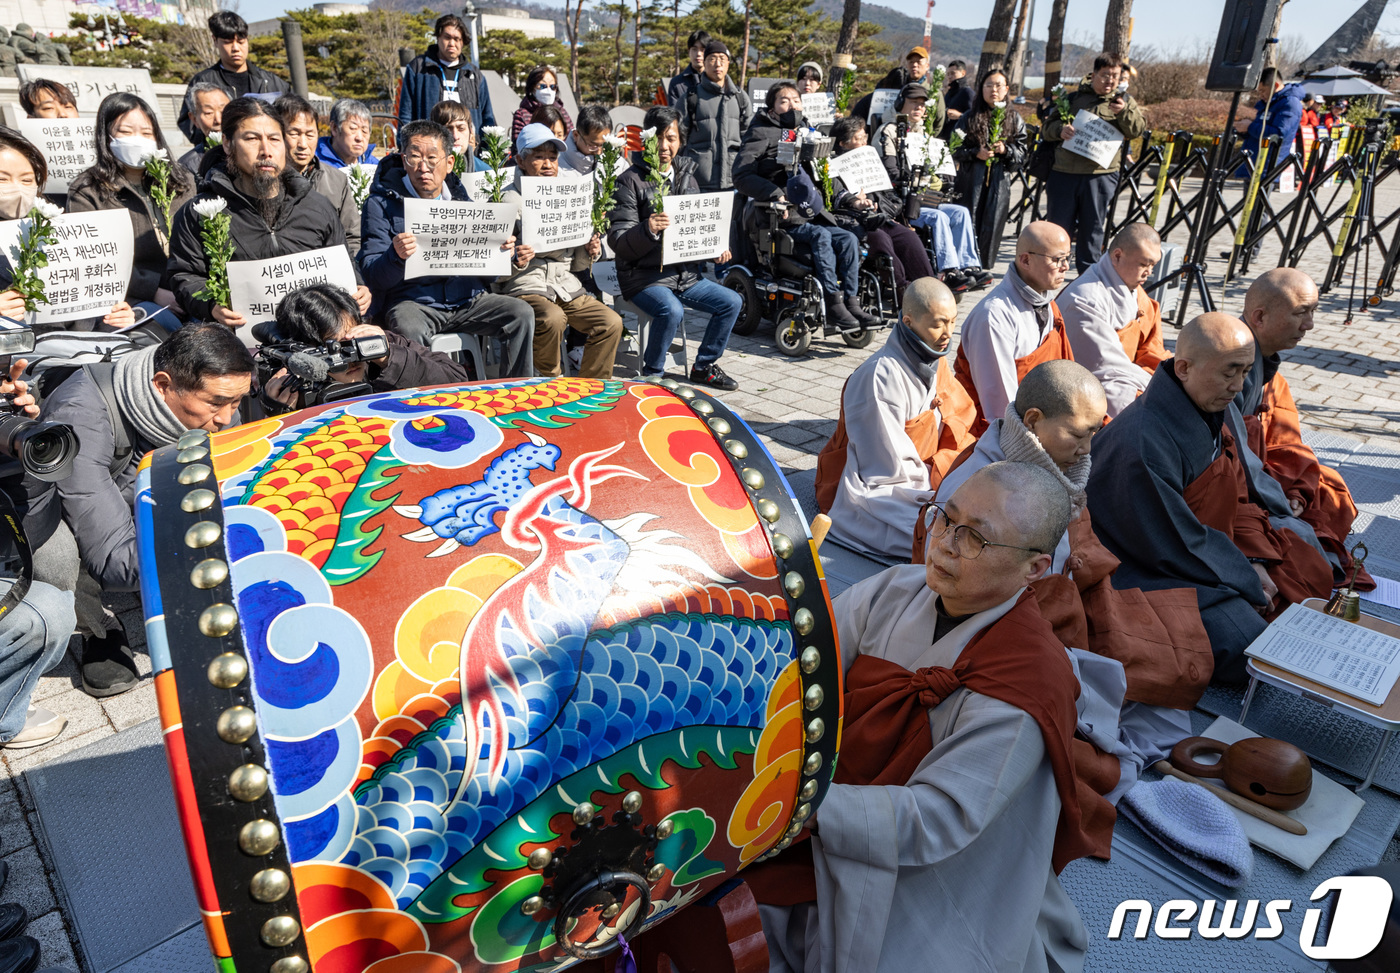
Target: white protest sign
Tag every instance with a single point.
(1094, 139)
(475, 183)
(861, 170)
(819, 107)
(67, 144)
(699, 227)
(942, 158)
(256, 287)
(89, 265)
(91, 85)
(458, 238)
(557, 212)
(881, 103)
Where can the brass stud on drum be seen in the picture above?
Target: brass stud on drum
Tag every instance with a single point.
(702, 406)
(227, 670)
(816, 730)
(809, 791)
(794, 584)
(813, 764)
(804, 812)
(248, 782)
(194, 473)
(531, 905)
(237, 724)
(784, 845)
(811, 658)
(665, 829)
(192, 454)
(280, 931)
(794, 829)
(752, 478)
(632, 802)
(195, 437)
(782, 545)
(769, 510)
(720, 425)
(540, 858)
(218, 620)
(583, 813)
(290, 964)
(202, 534)
(270, 885)
(258, 838)
(814, 697)
(735, 448)
(656, 873)
(612, 910)
(197, 500)
(209, 573)
(686, 393)
(669, 383)
(804, 621)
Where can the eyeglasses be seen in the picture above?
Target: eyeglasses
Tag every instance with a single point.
(416, 161)
(551, 87)
(968, 542)
(586, 144)
(1055, 261)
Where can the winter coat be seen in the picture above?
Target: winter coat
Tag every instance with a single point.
(680, 86)
(1129, 122)
(528, 107)
(959, 98)
(897, 78)
(305, 220)
(192, 159)
(382, 267)
(715, 123)
(759, 175)
(410, 365)
(638, 251)
(150, 259)
(327, 155)
(548, 275)
(334, 184)
(259, 82)
(422, 87)
(986, 190)
(1285, 115)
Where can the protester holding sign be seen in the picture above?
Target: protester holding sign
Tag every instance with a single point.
(273, 211)
(331, 182)
(233, 73)
(665, 291)
(986, 189)
(545, 280)
(1080, 189)
(128, 134)
(421, 307)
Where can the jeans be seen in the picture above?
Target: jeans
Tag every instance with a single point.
(1082, 200)
(911, 260)
(510, 320)
(666, 309)
(835, 255)
(954, 239)
(33, 636)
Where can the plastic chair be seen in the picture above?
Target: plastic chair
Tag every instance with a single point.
(464, 348)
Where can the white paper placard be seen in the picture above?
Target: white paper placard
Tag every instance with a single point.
(1337, 653)
(556, 212)
(256, 287)
(605, 276)
(67, 144)
(1094, 139)
(819, 107)
(881, 104)
(861, 170)
(475, 183)
(699, 227)
(458, 238)
(91, 85)
(89, 266)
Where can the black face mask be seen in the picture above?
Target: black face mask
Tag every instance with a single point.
(789, 118)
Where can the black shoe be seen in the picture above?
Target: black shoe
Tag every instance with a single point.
(838, 316)
(19, 955)
(981, 278)
(712, 375)
(956, 282)
(13, 919)
(4, 872)
(109, 667)
(861, 314)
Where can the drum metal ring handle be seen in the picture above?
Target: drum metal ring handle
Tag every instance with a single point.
(577, 904)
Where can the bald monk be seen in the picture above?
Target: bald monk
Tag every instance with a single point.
(955, 803)
(1170, 497)
(905, 420)
(1017, 325)
(1114, 328)
(1279, 309)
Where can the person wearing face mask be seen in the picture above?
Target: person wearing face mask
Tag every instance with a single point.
(664, 292)
(442, 74)
(332, 183)
(127, 134)
(349, 142)
(541, 88)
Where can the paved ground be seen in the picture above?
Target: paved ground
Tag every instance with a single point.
(1346, 379)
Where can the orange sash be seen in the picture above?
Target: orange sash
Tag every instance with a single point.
(1055, 345)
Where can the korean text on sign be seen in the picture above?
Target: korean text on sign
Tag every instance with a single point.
(458, 238)
(861, 171)
(89, 265)
(256, 287)
(67, 144)
(699, 227)
(557, 212)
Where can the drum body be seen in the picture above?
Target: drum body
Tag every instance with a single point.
(478, 677)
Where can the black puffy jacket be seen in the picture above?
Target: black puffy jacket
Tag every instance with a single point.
(638, 252)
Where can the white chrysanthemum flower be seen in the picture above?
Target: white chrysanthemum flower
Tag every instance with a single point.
(47, 209)
(941, 68)
(161, 154)
(214, 138)
(648, 133)
(616, 141)
(211, 207)
(493, 131)
(999, 104)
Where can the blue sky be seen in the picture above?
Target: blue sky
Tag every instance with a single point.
(1167, 24)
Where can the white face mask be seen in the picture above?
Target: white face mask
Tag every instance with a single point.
(545, 96)
(16, 200)
(132, 150)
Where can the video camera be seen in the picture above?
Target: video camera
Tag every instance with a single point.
(44, 449)
(310, 366)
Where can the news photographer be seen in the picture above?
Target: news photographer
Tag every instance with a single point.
(81, 527)
(318, 327)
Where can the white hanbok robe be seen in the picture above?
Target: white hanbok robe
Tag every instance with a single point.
(1096, 306)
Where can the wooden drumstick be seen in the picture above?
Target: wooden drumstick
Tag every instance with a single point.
(1277, 818)
(821, 523)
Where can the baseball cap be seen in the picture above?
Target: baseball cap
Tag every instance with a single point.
(534, 135)
(913, 90)
(920, 51)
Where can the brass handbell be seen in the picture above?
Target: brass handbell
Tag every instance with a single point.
(1345, 603)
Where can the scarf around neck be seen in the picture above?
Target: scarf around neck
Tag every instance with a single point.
(139, 401)
(916, 352)
(1039, 303)
(1020, 445)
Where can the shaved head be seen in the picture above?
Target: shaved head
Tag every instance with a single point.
(1214, 353)
(1057, 388)
(1279, 308)
(1043, 255)
(1044, 236)
(1211, 334)
(1135, 252)
(926, 294)
(1137, 236)
(1034, 504)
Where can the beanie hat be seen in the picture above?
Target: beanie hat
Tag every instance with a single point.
(1194, 825)
(716, 47)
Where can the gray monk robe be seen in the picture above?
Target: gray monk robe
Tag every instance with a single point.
(953, 869)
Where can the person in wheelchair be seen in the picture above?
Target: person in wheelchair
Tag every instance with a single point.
(950, 227)
(834, 252)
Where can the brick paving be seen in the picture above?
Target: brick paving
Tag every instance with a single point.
(1346, 379)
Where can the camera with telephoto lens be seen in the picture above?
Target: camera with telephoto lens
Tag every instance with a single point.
(309, 366)
(44, 449)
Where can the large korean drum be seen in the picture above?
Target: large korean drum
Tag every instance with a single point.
(480, 677)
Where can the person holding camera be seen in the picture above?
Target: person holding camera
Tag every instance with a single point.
(81, 528)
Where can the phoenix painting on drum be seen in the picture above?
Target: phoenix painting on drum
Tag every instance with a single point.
(467, 611)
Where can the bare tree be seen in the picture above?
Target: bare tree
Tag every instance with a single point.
(744, 62)
(1055, 44)
(998, 30)
(1271, 51)
(621, 10)
(384, 31)
(1015, 50)
(1118, 27)
(676, 38)
(846, 40)
(636, 52)
(571, 31)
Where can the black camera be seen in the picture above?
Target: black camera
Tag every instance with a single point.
(310, 365)
(44, 449)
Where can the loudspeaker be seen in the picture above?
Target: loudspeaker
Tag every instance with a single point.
(1238, 60)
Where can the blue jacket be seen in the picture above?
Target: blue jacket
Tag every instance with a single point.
(421, 89)
(380, 222)
(326, 154)
(1285, 115)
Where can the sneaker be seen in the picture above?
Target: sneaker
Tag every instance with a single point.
(19, 955)
(839, 316)
(712, 375)
(40, 727)
(956, 282)
(13, 919)
(109, 667)
(981, 278)
(861, 314)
